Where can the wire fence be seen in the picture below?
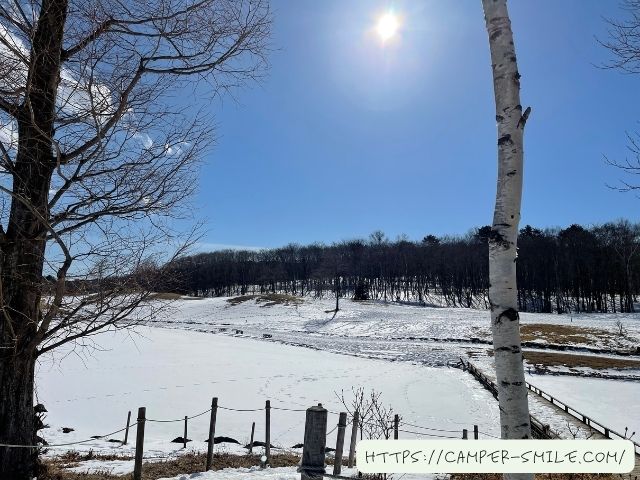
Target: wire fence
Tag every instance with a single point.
(428, 434)
(179, 419)
(415, 429)
(375, 426)
(431, 428)
(60, 445)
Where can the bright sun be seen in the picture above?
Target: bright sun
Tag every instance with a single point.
(387, 26)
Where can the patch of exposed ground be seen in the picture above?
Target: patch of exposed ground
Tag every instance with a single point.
(572, 335)
(269, 299)
(538, 476)
(57, 468)
(570, 360)
(550, 359)
(567, 334)
(192, 463)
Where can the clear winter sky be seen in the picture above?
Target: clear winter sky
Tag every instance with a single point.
(347, 136)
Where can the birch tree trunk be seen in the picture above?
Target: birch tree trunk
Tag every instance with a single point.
(505, 322)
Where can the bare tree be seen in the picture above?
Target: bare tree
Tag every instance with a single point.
(505, 320)
(102, 125)
(376, 420)
(624, 45)
(623, 41)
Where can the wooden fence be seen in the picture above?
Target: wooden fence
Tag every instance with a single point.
(539, 429)
(314, 426)
(581, 417)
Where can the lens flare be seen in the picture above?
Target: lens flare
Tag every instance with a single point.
(387, 26)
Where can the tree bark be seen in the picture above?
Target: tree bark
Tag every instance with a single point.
(505, 323)
(23, 245)
(17, 419)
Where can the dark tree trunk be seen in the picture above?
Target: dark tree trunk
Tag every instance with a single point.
(17, 419)
(23, 245)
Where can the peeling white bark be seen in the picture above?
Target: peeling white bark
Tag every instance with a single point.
(505, 324)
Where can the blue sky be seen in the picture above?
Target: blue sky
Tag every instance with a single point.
(347, 136)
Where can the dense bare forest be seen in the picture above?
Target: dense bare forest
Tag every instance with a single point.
(586, 269)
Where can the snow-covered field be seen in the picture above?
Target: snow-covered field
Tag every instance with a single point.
(399, 350)
(176, 373)
(284, 473)
(397, 332)
(380, 320)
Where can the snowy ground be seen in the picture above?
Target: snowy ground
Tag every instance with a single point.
(402, 351)
(285, 473)
(397, 332)
(175, 373)
(383, 320)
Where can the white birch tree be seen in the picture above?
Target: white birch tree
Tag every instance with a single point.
(505, 321)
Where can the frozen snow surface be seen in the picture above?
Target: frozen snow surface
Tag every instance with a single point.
(249, 352)
(393, 331)
(175, 373)
(284, 473)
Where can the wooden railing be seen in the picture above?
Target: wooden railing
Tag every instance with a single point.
(538, 428)
(581, 417)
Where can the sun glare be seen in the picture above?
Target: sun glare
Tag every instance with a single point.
(387, 26)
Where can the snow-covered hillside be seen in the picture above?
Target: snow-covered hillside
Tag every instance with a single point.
(380, 320)
(430, 336)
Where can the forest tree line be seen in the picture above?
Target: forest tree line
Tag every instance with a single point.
(575, 269)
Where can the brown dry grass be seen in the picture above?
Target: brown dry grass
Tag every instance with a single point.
(545, 476)
(550, 359)
(192, 463)
(571, 360)
(269, 299)
(54, 469)
(564, 334)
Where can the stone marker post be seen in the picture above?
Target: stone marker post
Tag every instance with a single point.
(315, 442)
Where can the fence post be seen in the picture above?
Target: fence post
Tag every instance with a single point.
(354, 438)
(126, 432)
(137, 469)
(184, 438)
(315, 441)
(465, 434)
(396, 422)
(337, 459)
(267, 441)
(212, 432)
(253, 430)
(475, 432)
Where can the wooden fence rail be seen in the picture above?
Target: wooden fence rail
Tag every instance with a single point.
(539, 428)
(581, 417)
